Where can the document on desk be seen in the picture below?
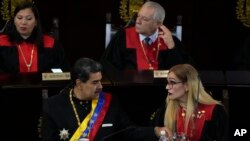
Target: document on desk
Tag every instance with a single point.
(161, 73)
(55, 76)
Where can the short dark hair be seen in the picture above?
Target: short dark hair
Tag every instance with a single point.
(83, 67)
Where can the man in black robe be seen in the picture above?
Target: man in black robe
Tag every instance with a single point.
(128, 49)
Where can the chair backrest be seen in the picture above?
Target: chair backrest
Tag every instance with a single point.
(132, 20)
(177, 31)
(5, 27)
(54, 31)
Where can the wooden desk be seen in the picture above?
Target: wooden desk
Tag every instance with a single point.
(139, 93)
(21, 97)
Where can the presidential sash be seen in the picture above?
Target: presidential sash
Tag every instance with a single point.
(91, 124)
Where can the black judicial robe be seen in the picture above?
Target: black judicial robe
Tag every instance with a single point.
(51, 57)
(121, 55)
(58, 114)
(217, 128)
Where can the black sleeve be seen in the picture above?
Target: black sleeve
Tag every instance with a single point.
(128, 129)
(60, 60)
(177, 55)
(113, 55)
(49, 129)
(220, 123)
(157, 118)
(218, 128)
(52, 58)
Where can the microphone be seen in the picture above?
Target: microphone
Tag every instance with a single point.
(116, 134)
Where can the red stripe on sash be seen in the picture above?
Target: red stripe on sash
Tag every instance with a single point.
(101, 116)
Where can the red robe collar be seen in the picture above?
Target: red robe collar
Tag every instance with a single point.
(133, 42)
(48, 42)
(195, 128)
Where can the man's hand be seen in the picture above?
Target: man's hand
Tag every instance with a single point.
(166, 35)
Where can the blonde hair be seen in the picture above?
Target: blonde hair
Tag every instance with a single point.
(196, 94)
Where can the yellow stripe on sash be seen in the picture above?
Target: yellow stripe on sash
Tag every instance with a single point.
(84, 124)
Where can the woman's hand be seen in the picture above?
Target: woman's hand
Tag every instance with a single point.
(158, 130)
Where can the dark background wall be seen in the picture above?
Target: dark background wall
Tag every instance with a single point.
(81, 26)
(211, 32)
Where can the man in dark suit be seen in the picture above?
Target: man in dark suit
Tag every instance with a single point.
(83, 112)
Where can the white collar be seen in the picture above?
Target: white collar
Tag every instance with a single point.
(153, 37)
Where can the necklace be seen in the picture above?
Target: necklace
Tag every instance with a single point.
(147, 58)
(74, 107)
(197, 115)
(28, 65)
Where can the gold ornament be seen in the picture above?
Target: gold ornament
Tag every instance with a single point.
(128, 8)
(8, 7)
(5, 10)
(243, 12)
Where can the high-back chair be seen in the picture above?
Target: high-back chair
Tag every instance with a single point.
(5, 27)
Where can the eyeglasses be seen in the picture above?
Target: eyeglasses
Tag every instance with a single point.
(171, 84)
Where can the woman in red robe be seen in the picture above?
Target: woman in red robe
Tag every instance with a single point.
(23, 46)
(190, 112)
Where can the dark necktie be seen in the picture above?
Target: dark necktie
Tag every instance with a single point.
(146, 41)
